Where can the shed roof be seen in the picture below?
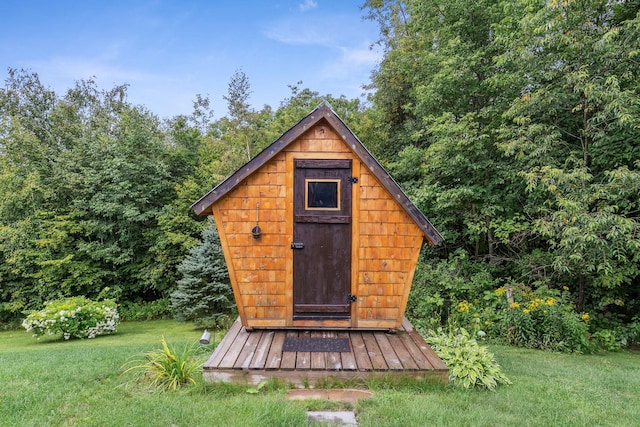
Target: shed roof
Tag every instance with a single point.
(324, 111)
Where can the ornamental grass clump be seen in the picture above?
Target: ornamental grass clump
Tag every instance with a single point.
(470, 365)
(75, 317)
(168, 368)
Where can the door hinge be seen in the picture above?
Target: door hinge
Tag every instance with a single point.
(297, 245)
(353, 179)
(351, 299)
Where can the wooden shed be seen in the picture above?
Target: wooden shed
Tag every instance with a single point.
(316, 234)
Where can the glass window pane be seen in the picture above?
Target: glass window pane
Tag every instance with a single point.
(322, 194)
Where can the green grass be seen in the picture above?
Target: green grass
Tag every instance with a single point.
(79, 382)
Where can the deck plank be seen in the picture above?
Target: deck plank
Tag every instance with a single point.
(275, 352)
(260, 357)
(230, 357)
(224, 345)
(431, 355)
(389, 354)
(403, 354)
(248, 350)
(418, 357)
(348, 359)
(374, 352)
(334, 361)
(318, 359)
(303, 360)
(363, 361)
(288, 361)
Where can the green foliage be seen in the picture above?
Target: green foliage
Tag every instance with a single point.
(544, 320)
(514, 127)
(470, 365)
(168, 368)
(570, 131)
(204, 293)
(76, 317)
(612, 333)
(256, 389)
(145, 310)
(94, 175)
(439, 285)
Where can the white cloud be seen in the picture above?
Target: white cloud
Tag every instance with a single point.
(308, 5)
(352, 61)
(300, 32)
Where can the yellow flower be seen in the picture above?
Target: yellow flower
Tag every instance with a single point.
(585, 316)
(566, 288)
(500, 291)
(526, 311)
(551, 301)
(463, 306)
(515, 304)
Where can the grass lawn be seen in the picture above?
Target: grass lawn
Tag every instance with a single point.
(57, 383)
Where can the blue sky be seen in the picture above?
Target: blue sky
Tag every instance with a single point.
(169, 51)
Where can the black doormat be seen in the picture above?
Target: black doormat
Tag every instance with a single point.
(316, 344)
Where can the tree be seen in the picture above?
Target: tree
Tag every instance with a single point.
(240, 113)
(204, 292)
(574, 129)
(442, 96)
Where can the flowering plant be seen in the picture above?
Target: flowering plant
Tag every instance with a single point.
(77, 317)
(545, 319)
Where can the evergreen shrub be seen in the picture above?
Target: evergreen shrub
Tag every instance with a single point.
(204, 293)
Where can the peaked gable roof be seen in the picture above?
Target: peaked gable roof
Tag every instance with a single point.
(325, 112)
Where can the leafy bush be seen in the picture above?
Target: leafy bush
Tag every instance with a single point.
(439, 286)
(77, 317)
(612, 332)
(470, 365)
(145, 310)
(169, 367)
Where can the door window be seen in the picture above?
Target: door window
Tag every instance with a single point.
(322, 194)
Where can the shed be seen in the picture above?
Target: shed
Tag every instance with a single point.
(316, 234)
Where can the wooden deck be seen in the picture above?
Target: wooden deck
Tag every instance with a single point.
(254, 356)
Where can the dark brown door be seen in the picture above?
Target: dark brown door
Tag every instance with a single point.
(322, 239)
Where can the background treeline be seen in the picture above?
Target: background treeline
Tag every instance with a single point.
(514, 125)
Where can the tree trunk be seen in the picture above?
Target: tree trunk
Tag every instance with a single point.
(581, 286)
(490, 239)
